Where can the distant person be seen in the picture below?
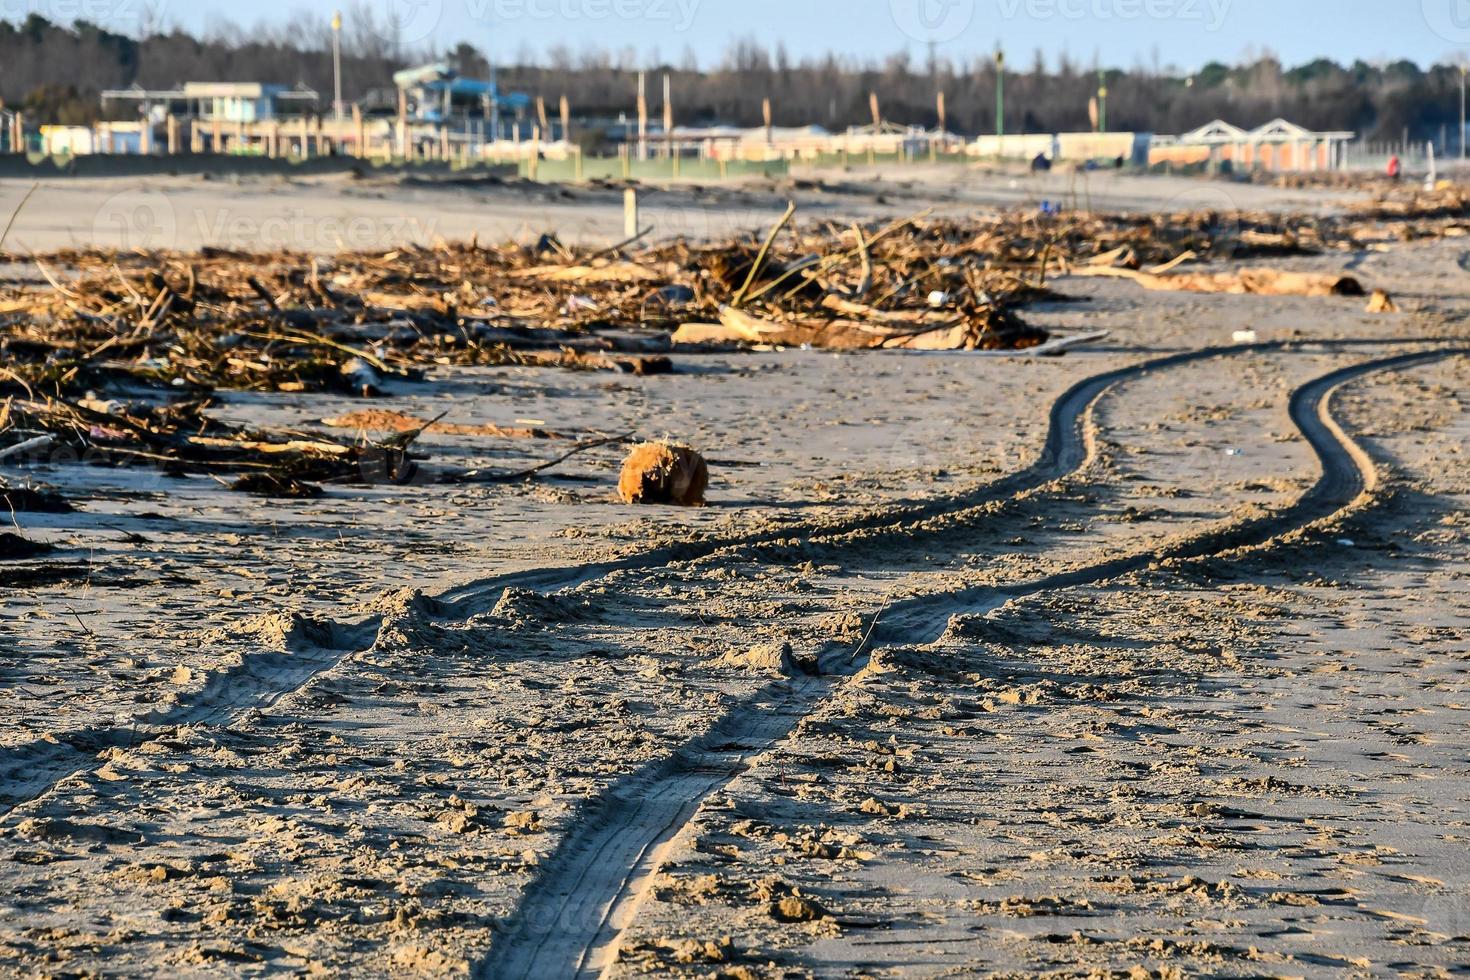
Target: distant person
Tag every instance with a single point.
(1040, 164)
(1395, 169)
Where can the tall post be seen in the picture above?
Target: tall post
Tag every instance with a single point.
(630, 213)
(943, 126)
(669, 117)
(767, 117)
(643, 115)
(1102, 102)
(1000, 95)
(566, 120)
(337, 65)
(359, 145)
(403, 123)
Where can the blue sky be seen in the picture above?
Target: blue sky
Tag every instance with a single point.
(1186, 33)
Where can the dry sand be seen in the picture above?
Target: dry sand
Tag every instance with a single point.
(330, 213)
(1180, 691)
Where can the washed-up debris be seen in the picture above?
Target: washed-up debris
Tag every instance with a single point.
(121, 358)
(379, 420)
(1262, 282)
(664, 473)
(32, 499)
(13, 547)
(276, 485)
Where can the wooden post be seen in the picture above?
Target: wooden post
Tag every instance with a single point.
(359, 145)
(302, 135)
(642, 115)
(566, 119)
(196, 137)
(877, 111)
(669, 120)
(403, 123)
(320, 146)
(577, 156)
(535, 164)
(943, 129)
(766, 115)
(541, 116)
(273, 140)
(630, 211)
(171, 129)
(145, 137)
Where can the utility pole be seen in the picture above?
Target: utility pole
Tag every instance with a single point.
(337, 65)
(1000, 92)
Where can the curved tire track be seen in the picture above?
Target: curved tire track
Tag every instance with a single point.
(570, 920)
(30, 769)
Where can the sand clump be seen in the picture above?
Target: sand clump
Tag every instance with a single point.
(1381, 302)
(279, 631)
(767, 658)
(664, 473)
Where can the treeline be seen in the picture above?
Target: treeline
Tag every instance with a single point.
(56, 72)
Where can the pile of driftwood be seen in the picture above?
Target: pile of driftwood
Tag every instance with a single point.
(118, 358)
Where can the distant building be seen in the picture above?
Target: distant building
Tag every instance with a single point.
(1277, 145)
(438, 93)
(246, 102)
(229, 102)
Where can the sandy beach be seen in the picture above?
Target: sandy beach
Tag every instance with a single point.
(1148, 660)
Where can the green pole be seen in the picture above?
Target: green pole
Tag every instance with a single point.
(1000, 92)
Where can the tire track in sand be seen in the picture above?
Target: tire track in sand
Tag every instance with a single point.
(30, 769)
(570, 922)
